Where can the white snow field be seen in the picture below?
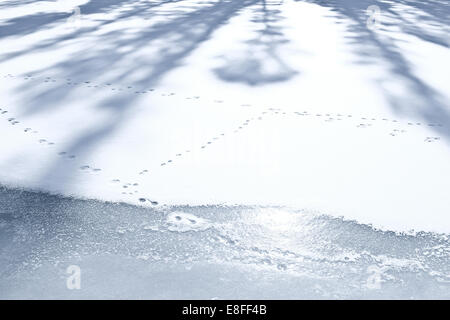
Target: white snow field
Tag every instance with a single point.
(225, 149)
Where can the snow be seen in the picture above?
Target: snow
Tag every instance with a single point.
(235, 60)
(284, 104)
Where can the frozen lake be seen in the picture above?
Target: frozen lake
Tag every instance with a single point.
(208, 252)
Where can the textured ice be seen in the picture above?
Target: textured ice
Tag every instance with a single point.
(183, 222)
(126, 251)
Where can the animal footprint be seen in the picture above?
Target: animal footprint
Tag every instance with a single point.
(432, 139)
(396, 132)
(151, 201)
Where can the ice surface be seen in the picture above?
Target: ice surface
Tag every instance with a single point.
(125, 251)
(183, 222)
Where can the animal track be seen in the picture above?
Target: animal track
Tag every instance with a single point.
(432, 139)
(151, 201)
(87, 84)
(396, 132)
(364, 125)
(132, 187)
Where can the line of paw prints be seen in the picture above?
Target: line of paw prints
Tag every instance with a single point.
(216, 138)
(277, 111)
(328, 117)
(365, 122)
(110, 86)
(131, 188)
(187, 151)
(432, 139)
(113, 88)
(128, 188)
(89, 84)
(13, 121)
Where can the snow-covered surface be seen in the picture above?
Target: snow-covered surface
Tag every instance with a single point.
(253, 103)
(126, 86)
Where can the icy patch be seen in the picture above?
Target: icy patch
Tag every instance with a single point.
(246, 252)
(184, 222)
(151, 227)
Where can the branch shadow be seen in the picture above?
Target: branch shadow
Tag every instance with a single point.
(172, 34)
(259, 62)
(425, 20)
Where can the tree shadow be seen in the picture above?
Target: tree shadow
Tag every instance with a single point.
(259, 62)
(425, 20)
(141, 54)
(136, 55)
